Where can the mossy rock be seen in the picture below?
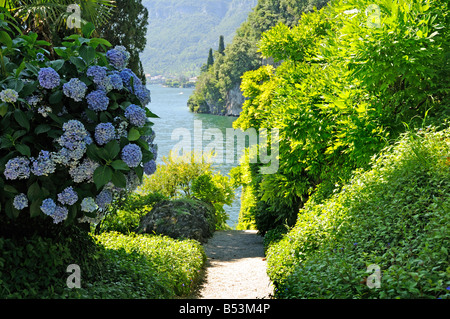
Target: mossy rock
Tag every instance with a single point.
(182, 218)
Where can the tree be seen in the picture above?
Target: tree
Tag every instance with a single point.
(221, 45)
(210, 59)
(49, 18)
(128, 27)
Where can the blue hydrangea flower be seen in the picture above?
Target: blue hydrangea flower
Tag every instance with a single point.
(68, 196)
(97, 72)
(136, 115)
(40, 57)
(9, 96)
(60, 214)
(33, 100)
(17, 168)
(84, 171)
(129, 79)
(132, 155)
(48, 78)
(118, 57)
(106, 85)
(48, 207)
(73, 142)
(75, 89)
(98, 101)
(143, 94)
(150, 167)
(104, 198)
(45, 110)
(149, 138)
(104, 133)
(88, 205)
(44, 165)
(133, 181)
(116, 81)
(20, 201)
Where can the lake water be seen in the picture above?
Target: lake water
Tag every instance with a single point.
(170, 104)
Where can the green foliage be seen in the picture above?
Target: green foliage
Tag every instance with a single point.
(171, 266)
(242, 55)
(113, 266)
(343, 91)
(125, 215)
(128, 27)
(26, 129)
(395, 215)
(35, 266)
(188, 177)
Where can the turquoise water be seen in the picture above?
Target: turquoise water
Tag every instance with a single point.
(170, 104)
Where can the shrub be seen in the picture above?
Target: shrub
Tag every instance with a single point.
(185, 177)
(342, 91)
(35, 266)
(73, 130)
(172, 264)
(124, 216)
(395, 215)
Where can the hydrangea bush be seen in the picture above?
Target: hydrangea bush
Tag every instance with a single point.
(74, 127)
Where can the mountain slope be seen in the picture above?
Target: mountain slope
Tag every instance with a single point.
(180, 32)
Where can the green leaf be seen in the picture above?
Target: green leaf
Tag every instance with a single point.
(78, 62)
(102, 176)
(35, 208)
(57, 64)
(134, 135)
(22, 119)
(151, 114)
(93, 153)
(56, 97)
(88, 29)
(23, 149)
(10, 189)
(3, 109)
(88, 54)
(101, 41)
(119, 180)
(11, 212)
(6, 39)
(113, 149)
(120, 165)
(43, 128)
(34, 192)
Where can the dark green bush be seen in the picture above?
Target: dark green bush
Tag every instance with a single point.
(35, 266)
(396, 216)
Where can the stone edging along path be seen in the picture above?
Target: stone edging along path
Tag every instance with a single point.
(236, 267)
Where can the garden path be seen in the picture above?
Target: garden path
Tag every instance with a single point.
(236, 267)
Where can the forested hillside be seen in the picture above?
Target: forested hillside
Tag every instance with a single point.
(180, 32)
(217, 90)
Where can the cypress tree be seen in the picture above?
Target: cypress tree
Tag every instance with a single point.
(221, 45)
(210, 58)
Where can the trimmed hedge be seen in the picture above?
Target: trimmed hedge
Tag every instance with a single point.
(395, 215)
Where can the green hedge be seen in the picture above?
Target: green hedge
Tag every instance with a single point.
(112, 265)
(396, 216)
(171, 264)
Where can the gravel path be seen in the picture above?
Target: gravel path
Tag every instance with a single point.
(236, 267)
